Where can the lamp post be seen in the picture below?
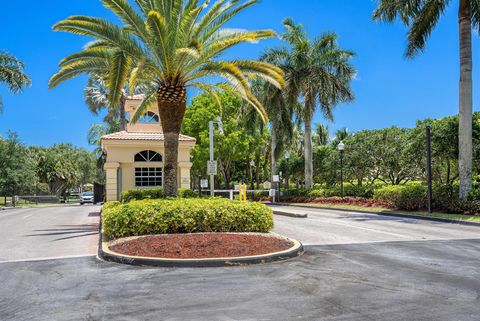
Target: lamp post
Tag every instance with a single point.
(252, 172)
(341, 148)
(211, 126)
(287, 157)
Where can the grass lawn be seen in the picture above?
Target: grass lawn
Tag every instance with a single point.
(454, 217)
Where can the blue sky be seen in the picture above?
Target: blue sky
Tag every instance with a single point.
(389, 89)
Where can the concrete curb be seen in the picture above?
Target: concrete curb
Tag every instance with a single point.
(281, 213)
(393, 214)
(106, 254)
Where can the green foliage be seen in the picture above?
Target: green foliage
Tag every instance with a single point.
(155, 193)
(12, 74)
(167, 216)
(64, 166)
(232, 148)
(17, 170)
(365, 191)
(141, 194)
(410, 197)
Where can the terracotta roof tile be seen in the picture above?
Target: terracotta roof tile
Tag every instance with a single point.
(124, 135)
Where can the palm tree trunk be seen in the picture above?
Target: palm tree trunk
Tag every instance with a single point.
(123, 117)
(171, 116)
(465, 156)
(308, 145)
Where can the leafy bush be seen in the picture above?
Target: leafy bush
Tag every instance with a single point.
(167, 216)
(155, 193)
(365, 191)
(409, 197)
(141, 194)
(187, 193)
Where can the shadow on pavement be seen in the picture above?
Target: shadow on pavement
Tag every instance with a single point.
(71, 231)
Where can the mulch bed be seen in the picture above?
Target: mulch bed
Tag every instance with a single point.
(202, 245)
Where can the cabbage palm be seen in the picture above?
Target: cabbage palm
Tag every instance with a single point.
(421, 17)
(12, 74)
(176, 44)
(319, 72)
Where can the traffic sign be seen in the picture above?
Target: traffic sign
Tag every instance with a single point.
(204, 183)
(212, 168)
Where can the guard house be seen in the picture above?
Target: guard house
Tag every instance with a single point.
(134, 158)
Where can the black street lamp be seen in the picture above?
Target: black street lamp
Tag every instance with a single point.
(341, 148)
(287, 157)
(252, 169)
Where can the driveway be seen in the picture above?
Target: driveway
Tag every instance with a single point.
(355, 268)
(48, 232)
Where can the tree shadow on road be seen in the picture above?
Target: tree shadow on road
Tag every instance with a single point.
(70, 231)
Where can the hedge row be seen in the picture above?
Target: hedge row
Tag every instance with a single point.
(166, 216)
(365, 191)
(154, 193)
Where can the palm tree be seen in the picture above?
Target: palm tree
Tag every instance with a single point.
(280, 115)
(421, 17)
(12, 74)
(176, 44)
(319, 72)
(322, 134)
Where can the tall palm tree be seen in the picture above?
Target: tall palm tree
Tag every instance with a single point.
(421, 17)
(318, 71)
(12, 74)
(177, 44)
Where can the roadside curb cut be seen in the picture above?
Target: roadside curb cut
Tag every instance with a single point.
(393, 214)
(107, 255)
(281, 213)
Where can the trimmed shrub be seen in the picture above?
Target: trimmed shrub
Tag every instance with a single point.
(365, 191)
(187, 193)
(169, 216)
(404, 197)
(141, 194)
(155, 193)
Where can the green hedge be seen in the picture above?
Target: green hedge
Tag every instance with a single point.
(410, 197)
(170, 216)
(365, 191)
(154, 193)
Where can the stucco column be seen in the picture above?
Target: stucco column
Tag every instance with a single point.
(184, 174)
(111, 181)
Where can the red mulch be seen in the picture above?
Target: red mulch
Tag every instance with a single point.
(202, 245)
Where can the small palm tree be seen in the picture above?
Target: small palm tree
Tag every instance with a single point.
(280, 115)
(12, 74)
(322, 134)
(319, 72)
(177, 44)
(421, 17)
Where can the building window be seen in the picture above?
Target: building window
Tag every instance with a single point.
(149, 117)
(148, 156)
(148, 177)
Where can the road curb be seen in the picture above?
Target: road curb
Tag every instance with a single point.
(281, 213)
(104, 253)
(425, 218)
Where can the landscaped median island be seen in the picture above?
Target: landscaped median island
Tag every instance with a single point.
(192, 232)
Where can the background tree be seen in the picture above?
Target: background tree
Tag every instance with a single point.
(321, 137)
(12, 74)
(177, 43)
(421, 17)
(316, 70)
(17, 170)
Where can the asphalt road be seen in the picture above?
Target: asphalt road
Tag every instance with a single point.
(426, 273)
(48, 232)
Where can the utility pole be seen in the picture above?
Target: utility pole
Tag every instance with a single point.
(429, 169)
(212, 176)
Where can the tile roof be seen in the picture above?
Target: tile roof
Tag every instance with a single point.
(124, 135)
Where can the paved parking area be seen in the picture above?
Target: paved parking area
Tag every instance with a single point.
(356, 267)
(48, 232)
